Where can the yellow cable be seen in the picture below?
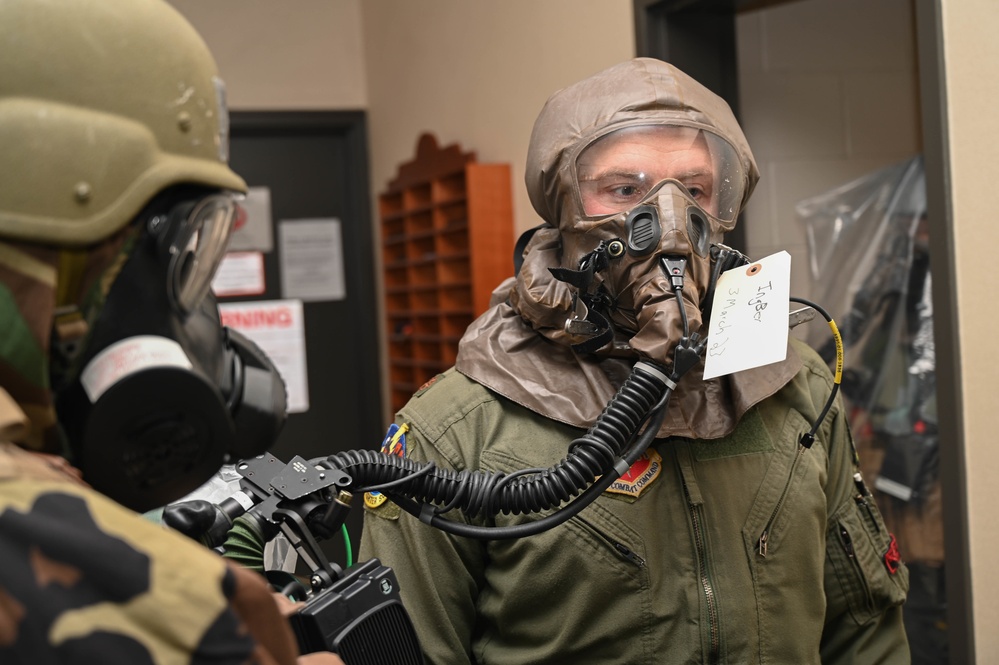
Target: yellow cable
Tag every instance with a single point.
(839, 352)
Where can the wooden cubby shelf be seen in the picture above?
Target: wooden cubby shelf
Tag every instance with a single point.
(447, 242)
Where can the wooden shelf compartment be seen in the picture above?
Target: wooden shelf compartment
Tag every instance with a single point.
(424, 300)
(397, 276)
(394, 253)
(452, 242)
(449, 188)
(422, 273)
(454, 270)
(422, 247)
(456, 298)
(451, 216)
(417, 197)
(390, 206)
(417, 222)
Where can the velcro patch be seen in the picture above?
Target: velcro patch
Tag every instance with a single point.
(640, 476)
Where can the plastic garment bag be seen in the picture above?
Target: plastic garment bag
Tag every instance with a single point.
(869, 260)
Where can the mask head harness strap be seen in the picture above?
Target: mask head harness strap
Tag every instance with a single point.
(522, 242)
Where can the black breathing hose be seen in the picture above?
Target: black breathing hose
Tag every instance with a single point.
(602, 452)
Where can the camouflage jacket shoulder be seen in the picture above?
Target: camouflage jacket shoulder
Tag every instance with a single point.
(84, 580)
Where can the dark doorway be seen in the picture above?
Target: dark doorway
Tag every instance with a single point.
(316, 167)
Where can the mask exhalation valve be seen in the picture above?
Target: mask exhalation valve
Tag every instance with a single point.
(643, 229)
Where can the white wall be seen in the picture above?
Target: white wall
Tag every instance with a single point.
(828, 93)
(971, 52)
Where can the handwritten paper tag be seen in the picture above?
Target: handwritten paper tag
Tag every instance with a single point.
(749, 313)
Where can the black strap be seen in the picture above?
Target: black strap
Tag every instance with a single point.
(599, 340)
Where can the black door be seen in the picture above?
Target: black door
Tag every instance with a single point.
(315, 166)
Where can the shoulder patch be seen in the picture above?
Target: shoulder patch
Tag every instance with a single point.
(892, 557)
(640, 476)
(394, 443)
(374, 499)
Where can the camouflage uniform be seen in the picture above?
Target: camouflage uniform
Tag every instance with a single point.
(111, 114)
(83, 579)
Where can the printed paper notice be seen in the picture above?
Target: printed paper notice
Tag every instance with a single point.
(277, 327)
(749, 317)
(311, 255)
(240, 274)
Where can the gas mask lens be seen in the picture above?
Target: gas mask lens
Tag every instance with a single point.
(618, 170)
(197, 247)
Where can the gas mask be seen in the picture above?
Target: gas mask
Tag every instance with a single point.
(644, 204)
(637, 171)
(162, 394)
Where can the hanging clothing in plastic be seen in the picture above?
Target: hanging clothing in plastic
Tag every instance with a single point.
(870, 268)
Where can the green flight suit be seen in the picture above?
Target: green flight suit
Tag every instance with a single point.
(745, 549)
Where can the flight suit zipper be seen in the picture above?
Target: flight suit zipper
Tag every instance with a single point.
(761, 543)
(847, 542)
(707, 587)
(620, 548)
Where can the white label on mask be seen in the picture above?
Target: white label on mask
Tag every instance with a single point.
(749, 325)
(127, 357)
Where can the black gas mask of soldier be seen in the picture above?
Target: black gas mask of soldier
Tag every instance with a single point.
(163, 394)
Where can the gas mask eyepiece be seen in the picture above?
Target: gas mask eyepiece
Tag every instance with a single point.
(193, 237)
(624, 168)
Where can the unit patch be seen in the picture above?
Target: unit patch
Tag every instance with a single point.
(394, 443)
(640, 476)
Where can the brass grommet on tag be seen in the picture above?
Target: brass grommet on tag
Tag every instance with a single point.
(753, 269)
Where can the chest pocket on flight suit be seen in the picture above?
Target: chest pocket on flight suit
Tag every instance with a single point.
(779, 496)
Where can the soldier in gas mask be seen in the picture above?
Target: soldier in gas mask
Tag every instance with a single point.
(119, 389)
(735, 538)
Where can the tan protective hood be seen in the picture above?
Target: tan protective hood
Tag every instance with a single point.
(520, 348)
(636, 91)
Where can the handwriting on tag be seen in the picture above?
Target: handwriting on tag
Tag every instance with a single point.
(749, 317)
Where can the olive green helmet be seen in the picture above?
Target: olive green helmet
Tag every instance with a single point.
(103, 104)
